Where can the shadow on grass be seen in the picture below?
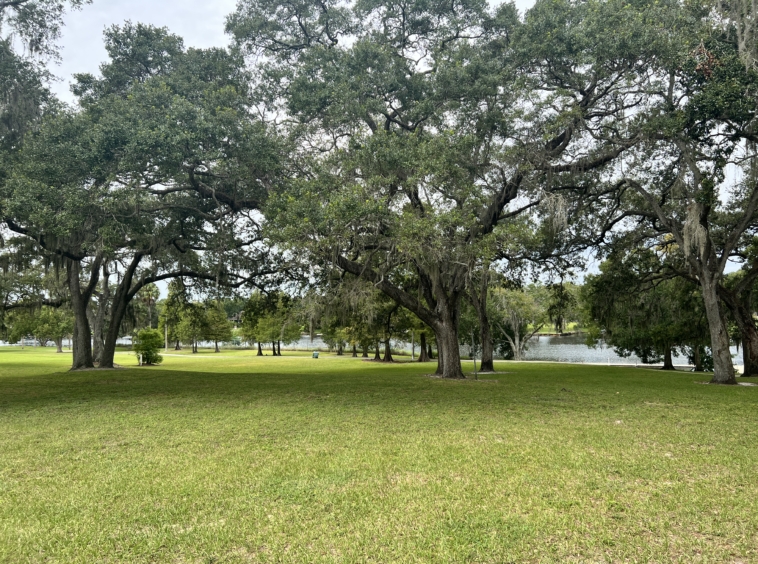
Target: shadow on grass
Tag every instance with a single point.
(39, 385)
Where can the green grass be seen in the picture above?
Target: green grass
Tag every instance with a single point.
(234, 458)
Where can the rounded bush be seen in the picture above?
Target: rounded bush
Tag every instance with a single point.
(147, 344)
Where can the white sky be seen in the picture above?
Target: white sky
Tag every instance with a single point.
(199, 22)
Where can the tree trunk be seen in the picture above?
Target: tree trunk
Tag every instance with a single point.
(59, 345)
(99, 324)
(697, 358)
(364, 348)
(260, 350)
(449, 352)
(388, 334)
(479, 301)
(387, 351)
(355, 351)
(278, 348)
(739, 306)
(668, 362)
(82, 340)
(423, 355)
(273, 348)
(97, 321)
(121, 298)
(82, 337)
(723, 369)
(118, 311)
(377, 354)
(429, 352)
(216, 343)
(178, 345)
(488, 349)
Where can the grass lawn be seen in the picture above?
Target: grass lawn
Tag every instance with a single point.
(235, 458)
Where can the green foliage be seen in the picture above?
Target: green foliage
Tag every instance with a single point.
(635, 308)
(146, 345)
(45, 324)
(218, 327)
(516, 315)
(36, 23)
(269, 318)
(170, 310)
(35, 26)
(193, 324)
(257, 306)
(562, 304)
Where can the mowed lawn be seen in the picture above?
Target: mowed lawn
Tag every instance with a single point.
(234, 458)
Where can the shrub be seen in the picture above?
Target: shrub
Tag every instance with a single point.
(147, 344)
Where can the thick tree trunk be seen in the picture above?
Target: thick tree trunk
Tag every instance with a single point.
(273, 348)
(479, 300)
(749, 346)
(339, 349)
(449, 352)
(749, 364)
(668, 362)
(387, 351)
(97, 321)
(118, 311)
(82, 337)
(488, 349)
(355, 352)
(377, 354)
(723, 369)
(121, 298)
(59, 345)
(82, 340)
(260, 350)
(429, 352)
(278, 348)
(739, 301)
(216, 343)
(364, 348)
(423, 355)
(178, 345)
(100, 317)
(749, 335)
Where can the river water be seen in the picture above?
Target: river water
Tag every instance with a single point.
(563, 348)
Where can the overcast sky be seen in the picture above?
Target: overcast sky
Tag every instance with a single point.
(199, 22)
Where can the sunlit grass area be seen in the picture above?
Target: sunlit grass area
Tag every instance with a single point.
(230, 457)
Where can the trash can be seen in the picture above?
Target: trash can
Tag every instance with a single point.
(315, 354)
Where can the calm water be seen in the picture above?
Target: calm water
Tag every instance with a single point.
(572, 348)
(567, 348)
